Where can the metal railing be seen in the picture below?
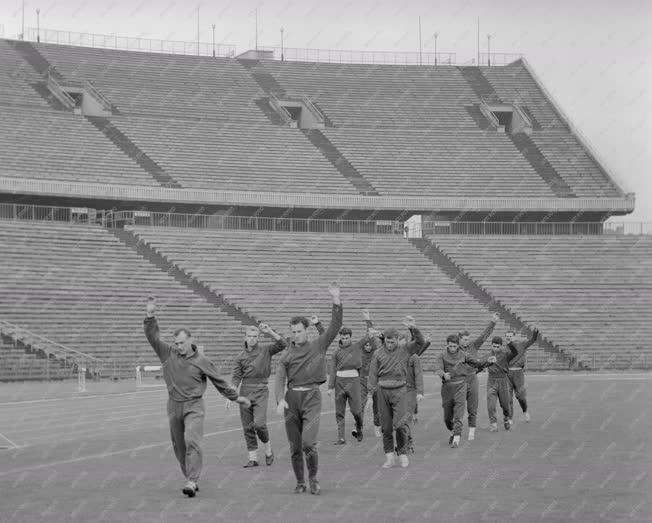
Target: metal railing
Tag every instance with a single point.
(103, 100)
(499, 58)
(280, 109)
(350, 56)
(313, 108)
(58, 91)
(535, 228)
(126, 43)
(20, 211)
(70, 357)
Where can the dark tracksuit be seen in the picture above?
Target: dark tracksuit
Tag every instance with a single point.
(346, 389)
(304, 367)
(367, 355)
(498, 384)
(453, 392)
(185, 378)
(251, 371)
(388, 375)
(516, 373)
(414, 386)
(472, 385)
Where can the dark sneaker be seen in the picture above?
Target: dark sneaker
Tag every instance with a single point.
(450, 440)
(354, 433)
(300, 488)
(190, 489)
(358, 435)
(250, 463)
(269, 459)
(314, 487)
(340, 442)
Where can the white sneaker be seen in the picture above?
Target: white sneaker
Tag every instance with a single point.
(493, 427)
(377, 432)
(389, 460)
(456, 441)
(403, 459)
(527, 417)
(471, 433)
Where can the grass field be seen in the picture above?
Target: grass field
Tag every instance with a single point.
(105, 456)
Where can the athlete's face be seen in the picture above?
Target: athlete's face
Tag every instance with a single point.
(495, 347)
(183, 343)
(251, 337)
(509, 336)
(391, 343)
(452, 346)
(345, 339)
(299, 333)
(465, 340)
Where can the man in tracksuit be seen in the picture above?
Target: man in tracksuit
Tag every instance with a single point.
(454, 365)
(414, 386)
(498, 383)
(472, 386)
(185, 371)
(368, 350)
(388, 375)
(516, 373)
(251, 372)
(303, 366)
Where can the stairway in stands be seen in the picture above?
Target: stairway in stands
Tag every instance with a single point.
(480, 85)
(262, 77)
(337, 159)
(459, 276)
(127, 146)
(541, 165)
(19, 362)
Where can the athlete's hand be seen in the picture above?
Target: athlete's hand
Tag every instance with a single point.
(419, 397)
(366, 316)
(282, 405)
(409, 322)
(243, 400)
(428, 338)
(330, 392)
(228, 404)
(535, 334)
(151, 306)
(491, 359)
(314, 319)
(264, 328)
(446, 376)
(334, 290)
(495, 317)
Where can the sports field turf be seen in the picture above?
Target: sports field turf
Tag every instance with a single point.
(586, 456)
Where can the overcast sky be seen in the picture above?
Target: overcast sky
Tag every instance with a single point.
(592, 55)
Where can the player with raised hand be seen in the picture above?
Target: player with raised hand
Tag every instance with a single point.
(185, 371)
(516, 372)
(303, 367)
(251, 371)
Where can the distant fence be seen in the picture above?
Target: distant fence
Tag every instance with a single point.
(127, 43)
(350, 56)
(18, 211)
(535, 228)
(499, 58)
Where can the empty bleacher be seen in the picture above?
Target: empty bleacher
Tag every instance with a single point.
(16, 75)
(274, 276)
(55, 145)
(16, 364)
(591, 295)
(79, 286)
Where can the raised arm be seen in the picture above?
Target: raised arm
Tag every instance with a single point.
(366, 316)
(327, 337)
(279, 344)
(161, 348)
(530, 342)
(417, 345)
(477, 343)
(318, 324)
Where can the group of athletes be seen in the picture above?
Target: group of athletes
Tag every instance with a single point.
(383, 364)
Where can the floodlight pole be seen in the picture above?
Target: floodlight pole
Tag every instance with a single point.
(489, 50)
(213, 40)
(38, 24)
(436, 35)
(282, 54)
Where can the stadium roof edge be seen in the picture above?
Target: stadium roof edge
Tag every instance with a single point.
(90, 191)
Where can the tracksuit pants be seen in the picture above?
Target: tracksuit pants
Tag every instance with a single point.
(472, 398)
(302, 426)
(453, 398)
(517, 387)
(411, 411)
(364, 395)
(347, 390)
(187, 430)
(498, 389)
(392, 406)
(254, 418)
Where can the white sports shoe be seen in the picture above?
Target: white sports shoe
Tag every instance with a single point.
(403, 459)
(471, 433)
(493, 427)
(389, 460)
(527, 417)
(456, 441)
(377, 432)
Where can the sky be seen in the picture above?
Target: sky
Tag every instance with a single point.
(593, 56)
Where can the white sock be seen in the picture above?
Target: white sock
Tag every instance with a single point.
(268, 448)
(253, 455)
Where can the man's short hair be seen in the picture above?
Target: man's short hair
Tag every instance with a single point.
(465, 333)
(300, 319)
(252, 328)
(497, 340)
(182, 329)
(453, 337)
(345, 331)
(512, 331)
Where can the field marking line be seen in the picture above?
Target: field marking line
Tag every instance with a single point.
(108, 395)
(13, 445)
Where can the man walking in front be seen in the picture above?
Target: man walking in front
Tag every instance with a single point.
(303, 367)
(516, 373)
(185, 371)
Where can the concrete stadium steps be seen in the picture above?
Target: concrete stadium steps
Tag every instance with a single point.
(590, 295)
(34, 58)
(16, 79)
(223, 156)
(377, 96)
(274, 276)
(479, 83)
(163, 84)
(17, 364)
(50, 145)
(442, 162)
(262, 77)
(80, 286)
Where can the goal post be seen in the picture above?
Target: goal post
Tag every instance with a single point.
(148, 376)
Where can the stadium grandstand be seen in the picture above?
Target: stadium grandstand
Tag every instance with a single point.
(233, 187)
